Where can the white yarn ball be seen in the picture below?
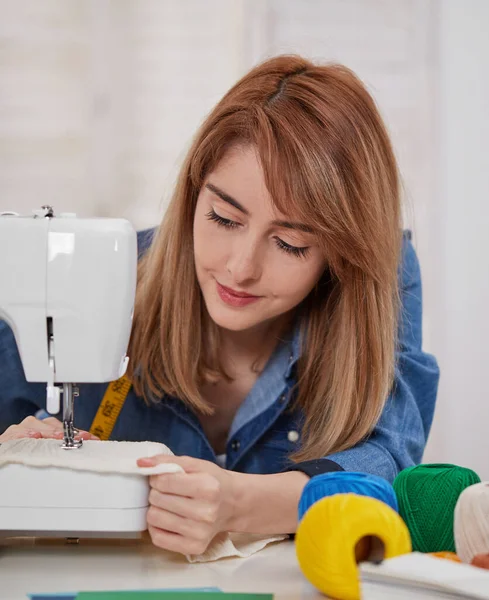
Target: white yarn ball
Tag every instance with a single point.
(471, 522)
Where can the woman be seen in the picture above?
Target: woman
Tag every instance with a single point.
(277, 327)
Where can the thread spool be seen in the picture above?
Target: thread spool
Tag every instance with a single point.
(344, 482)
(427, 496)
(340, 531)
(471, 522)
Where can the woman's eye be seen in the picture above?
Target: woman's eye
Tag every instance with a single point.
(213, 216)
(229, 224)
(300, 252)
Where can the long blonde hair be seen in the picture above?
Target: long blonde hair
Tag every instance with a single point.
(327, 160)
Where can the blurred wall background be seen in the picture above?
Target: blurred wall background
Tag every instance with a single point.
(99, 100)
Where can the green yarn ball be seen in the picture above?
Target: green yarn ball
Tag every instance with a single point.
(427, 495)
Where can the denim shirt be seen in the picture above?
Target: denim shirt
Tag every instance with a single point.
(265, 430)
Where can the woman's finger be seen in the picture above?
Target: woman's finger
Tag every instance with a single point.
(176, 542)
(188, 464)
(47, 429)
(14, 432)
(189, 508)
(50, 427)
(176, 524)
(191, 485)
(86, 435)
(54, 422)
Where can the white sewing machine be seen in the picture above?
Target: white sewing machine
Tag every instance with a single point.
(67, 291)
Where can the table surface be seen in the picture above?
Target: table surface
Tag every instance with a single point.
(32, 565)
(28, 566)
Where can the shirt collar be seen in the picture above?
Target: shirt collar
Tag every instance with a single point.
(271, 382)
(295, 348)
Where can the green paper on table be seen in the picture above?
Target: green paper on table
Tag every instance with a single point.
(174, 595)
(74, 595)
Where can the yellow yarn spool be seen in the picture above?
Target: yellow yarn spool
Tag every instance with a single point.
(340, 531)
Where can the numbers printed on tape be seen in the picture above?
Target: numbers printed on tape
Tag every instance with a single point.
(110, 407)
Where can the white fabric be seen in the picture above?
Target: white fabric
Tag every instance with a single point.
(121, 457)
(241, 545)
(95, 456)
(425, 574)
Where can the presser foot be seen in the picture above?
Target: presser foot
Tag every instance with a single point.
(69, 441)
(70, 392)
(70, 444)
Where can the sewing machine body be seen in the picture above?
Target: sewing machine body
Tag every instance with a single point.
(78, 274)
(67, 291)
(55, 502)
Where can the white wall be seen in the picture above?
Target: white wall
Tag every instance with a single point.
(100, 98)
(461, 334)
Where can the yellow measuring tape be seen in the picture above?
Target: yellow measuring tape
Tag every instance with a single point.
(110, 407)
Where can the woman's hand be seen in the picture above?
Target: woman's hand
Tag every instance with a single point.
(187, 510)
(37, 428)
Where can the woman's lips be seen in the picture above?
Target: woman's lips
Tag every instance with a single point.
(234, 298)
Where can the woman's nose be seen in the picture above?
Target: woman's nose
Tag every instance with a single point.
(244, 263)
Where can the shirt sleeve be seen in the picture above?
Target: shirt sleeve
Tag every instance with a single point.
(18, 398)
(400, 436)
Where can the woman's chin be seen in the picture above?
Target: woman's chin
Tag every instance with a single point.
(233, 322)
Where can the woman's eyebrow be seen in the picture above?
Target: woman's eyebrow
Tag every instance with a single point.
(226, 197)
(291, 225)
(230, 200)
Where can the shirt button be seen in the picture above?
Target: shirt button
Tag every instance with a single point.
(235, 445)
(293, 436)
(283, 398)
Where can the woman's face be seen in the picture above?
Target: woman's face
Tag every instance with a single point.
(253, 264)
